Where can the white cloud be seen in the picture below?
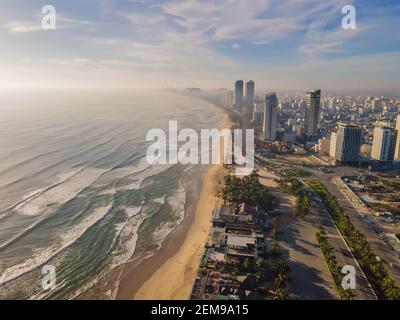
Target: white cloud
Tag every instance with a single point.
(21, 27)
(35, 24)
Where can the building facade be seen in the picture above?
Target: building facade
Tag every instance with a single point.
(349, 139)
(249, 92)
(270, 116)
(239, 94)
(397, 151)
(313, 109)
(332, 149)
(384, 144)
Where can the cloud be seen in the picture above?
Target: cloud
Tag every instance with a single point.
(35, 25)
(21, 26)
(178, 41)
(229, 19)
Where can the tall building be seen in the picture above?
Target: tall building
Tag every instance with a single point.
(239, 94)
(250, 95)
(384, 144)
(348, 143)
(270, 115)
(313, 101)
(397, 151)
(332, 149)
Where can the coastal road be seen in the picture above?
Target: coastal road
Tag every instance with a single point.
(310, 276)
(378, 246)
(319, 214)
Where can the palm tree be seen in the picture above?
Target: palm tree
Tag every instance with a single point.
(281, 294)
(280, 280)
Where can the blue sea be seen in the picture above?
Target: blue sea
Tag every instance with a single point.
(76, 191)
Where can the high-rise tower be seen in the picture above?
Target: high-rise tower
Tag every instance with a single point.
(270, 115)
(313, 100)
(239, 94)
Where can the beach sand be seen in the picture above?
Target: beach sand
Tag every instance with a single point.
(170, 274)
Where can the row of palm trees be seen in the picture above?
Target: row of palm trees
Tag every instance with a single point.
(383, 285)
(247, 190)
(296, 188)
(332, 263)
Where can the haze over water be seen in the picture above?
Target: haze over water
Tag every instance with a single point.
(76, 189)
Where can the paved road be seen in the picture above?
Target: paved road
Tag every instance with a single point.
(378, 246)
(310, 276)
(318, 214)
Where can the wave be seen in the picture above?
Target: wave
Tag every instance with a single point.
(37, 193)
(125, 242)
(59, 193)
(43, 255)
(76, 154)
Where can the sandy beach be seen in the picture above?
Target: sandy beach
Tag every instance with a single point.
(170, 274)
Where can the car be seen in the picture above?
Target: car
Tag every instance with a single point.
(378, 258)
(392, 265)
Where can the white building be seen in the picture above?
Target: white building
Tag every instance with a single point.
(384, 144)
(397, 151)
(270, 116)
(332, 149)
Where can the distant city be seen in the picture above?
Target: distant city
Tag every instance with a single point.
(362, 131)
(319, 216)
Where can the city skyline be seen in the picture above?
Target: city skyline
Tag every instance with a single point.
(137, 44)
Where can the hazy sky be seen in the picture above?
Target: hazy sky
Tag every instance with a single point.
(293, 44)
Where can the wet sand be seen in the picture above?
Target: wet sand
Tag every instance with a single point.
(170, 273)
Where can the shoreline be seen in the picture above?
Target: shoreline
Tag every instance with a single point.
(170, 273)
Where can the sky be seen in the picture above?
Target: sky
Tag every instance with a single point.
(281, 45)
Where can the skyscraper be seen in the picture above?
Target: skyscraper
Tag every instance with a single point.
(397, 151)
(313, 100)
(332, 149)
(250, 95)
(384, 144)
(239, 94)
(348, 143)
(270, 115)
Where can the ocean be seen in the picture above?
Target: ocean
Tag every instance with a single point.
(76, 191)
